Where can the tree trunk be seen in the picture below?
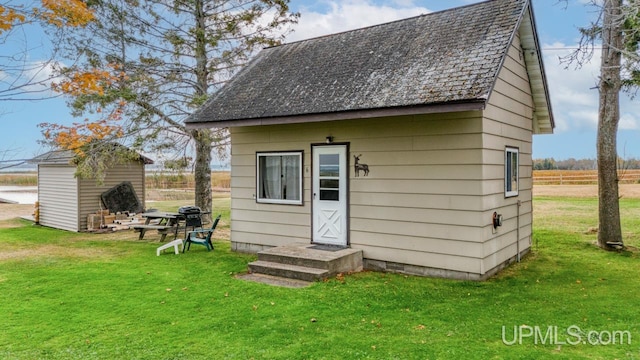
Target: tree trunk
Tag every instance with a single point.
(202, 137)
(609, 230)
(202, 169)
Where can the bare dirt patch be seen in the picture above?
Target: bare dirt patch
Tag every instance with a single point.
(626, 190)
(10, 211)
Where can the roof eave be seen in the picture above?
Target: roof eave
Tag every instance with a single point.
(543, 119)
(473, 105)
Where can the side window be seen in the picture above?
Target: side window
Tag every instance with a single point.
(279, 178)
(511, 176)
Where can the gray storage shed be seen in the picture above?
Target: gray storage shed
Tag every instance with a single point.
(65, 200)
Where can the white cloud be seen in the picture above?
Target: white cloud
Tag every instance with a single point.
(30, 80)
(349, 15)
(42, 72)
(629, 122)
(574, 93)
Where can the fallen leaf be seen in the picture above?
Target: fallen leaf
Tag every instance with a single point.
(184, 289)
(578, 281)
(168, 289)
(420, 327)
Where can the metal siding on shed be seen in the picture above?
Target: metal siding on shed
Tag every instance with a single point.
(65, 201)
(90, 191)
(58, 196)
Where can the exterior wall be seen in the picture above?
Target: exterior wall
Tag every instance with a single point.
(58, 196)
(508, 121)
(66, 201)
(89, 191)
(421, 205)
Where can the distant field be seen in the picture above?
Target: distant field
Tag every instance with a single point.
(19, 179)
(219, 180)
(580, 177)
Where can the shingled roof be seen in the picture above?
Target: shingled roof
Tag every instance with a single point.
(442, 61)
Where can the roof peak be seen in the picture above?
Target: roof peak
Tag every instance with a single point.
(451, 56)
(364, 28)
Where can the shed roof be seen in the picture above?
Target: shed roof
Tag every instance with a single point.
(66, 157)
(442, 61)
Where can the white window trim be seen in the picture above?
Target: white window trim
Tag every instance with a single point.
(507, 154)
(300, 178)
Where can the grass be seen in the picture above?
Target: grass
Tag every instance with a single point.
(94, 296)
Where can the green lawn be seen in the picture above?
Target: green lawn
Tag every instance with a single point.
(92, 296)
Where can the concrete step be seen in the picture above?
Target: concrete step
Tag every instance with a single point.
(307, 255)
(287, 270)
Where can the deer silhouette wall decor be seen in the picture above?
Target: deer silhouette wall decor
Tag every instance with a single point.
(358, 166)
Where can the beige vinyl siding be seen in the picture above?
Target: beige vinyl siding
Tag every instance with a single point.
(265, 224)
(508, 121)
(58, 197)
(421, 204)
(90, 191)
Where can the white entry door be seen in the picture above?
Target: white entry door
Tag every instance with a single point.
(330, 195)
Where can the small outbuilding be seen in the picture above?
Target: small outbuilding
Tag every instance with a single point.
(65, 200)
(410, 141)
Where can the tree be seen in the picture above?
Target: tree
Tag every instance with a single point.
(162, 59)
(618, 30)
(609, 228)
(22, 78)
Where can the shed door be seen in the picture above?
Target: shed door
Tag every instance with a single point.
(330, 195)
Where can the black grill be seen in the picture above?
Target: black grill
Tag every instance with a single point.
(192, 215)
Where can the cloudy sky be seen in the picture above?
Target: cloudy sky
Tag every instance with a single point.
(573, 95)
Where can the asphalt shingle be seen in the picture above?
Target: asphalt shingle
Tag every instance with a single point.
(450, 56)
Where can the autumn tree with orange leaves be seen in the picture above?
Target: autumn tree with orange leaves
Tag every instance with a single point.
(24, 76)
(145, 65)
(21, 76)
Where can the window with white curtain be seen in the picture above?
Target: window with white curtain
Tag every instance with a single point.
(511, 179)
(279, 177)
